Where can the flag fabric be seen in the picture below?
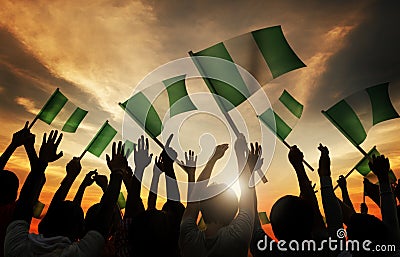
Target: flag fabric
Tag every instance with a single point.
(264, 53)
(139, 108)
(121, 201)
(372, 191)
(202, 225)
(263, 218)
(179, 101)
(356, 114)
(363, 167)
(61, 113)
(283, 115)
(103, 137)
(129, 147)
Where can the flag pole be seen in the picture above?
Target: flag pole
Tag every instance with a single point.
(345, 134)
(354, 168)
(93, 139)
(222, 107)
(144, 127)
(44, 107)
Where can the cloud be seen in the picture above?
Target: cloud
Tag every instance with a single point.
(28, 104)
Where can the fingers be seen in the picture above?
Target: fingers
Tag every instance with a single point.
(119, 147)
(58, 156)
(113, 151)
(58, 141)
(44, 139)
(108, 158)
(26, 125)
(147, 143)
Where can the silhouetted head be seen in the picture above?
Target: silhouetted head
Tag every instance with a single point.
(63, 219)
(149, 234)
(366, 226)
(363, 227)
(8, 187)
(292, 218)
(220, 209)
(174, 211)
(91, 219)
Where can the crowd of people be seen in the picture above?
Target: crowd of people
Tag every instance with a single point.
(232, 225)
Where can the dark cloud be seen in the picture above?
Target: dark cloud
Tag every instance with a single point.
(23, 75)
(370, 56)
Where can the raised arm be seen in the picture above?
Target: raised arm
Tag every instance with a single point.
(157, 171)
(345, 193)
(169, 156)
(19, 138)
(34, 182)
(87, 182)
(192, 209)
(306, 189)
(329, 201)
(380, 166)
(189, 166)
(117, 164)
(142, 158)
(73, 169)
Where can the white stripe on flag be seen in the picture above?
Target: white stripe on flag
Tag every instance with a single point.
(63, 115)
(361, 104)
(245, 53)
(285, 114)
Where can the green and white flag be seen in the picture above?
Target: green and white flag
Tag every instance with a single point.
(356, 114)
(61, 113)
(144, 113)
(121, 201)
(283, 115)
(263, 218)
(363, 168)
(179, 101)
(102, 139)
(264, 53)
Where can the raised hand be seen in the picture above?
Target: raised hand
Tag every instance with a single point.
(342, 182)
(158, 167)
(118, 162)
(254, 155)
(380, 166)
(169, 154)
(189, 166)
(324, 162)
(23, 137)
(295, 156)
(89, 178)
(48, 150)
(219, 151)
(74, 167)
(141, 153)
(101, 181)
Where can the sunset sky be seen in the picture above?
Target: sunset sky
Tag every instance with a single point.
(97, 52)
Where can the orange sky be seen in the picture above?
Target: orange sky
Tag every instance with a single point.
(97, 51)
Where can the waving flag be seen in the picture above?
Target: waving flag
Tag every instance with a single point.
(283, 112)
(61, 113)
(356, 114)
(101, 140)
(264, 53)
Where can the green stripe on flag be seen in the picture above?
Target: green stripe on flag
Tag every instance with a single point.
(101, 140)
(382, 108)
(74, 120)
(263, 218)
(52, 107)
(362, 166)
(232, 88)
(275, 124)
(179, 101)
(345, 119)
(129, 145)
(276, 51)
(38, 209)
(142, 111)
(291, 104)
